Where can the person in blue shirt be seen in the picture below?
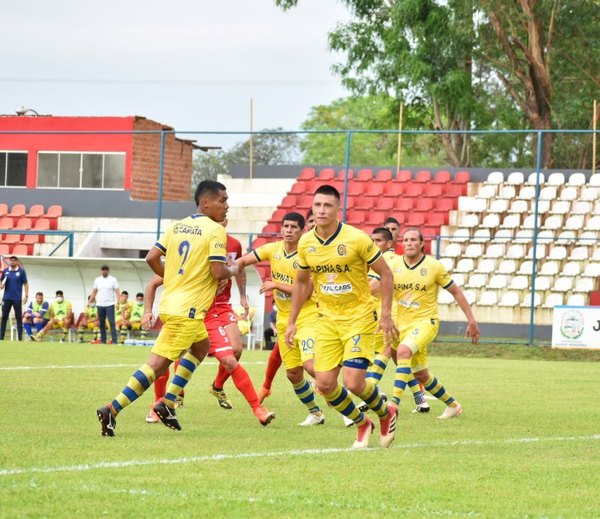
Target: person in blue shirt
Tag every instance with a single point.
(36, 314)
(13, 281)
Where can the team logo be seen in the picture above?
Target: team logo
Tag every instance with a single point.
(571, 325)
(341, 250)
(276, 256)
(331, 278)
(295, 265)
(423, 272)
(311, 249)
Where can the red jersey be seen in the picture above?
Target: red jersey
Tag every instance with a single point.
(234, 251)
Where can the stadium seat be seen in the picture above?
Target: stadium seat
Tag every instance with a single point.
(486, 192)
(563, 284)
(571, 269)
(507, 192)
(545, 236)
(462, 177)
(307, 174)
(549, 268)
(499, 205)
(364, 202)
(298, 188)
(560, 207)
(375, 189)
(569, 193)
(553, 222)
(22, 250)
(537, 299)
(540, 251)
(404, 204)
(461, 235)
(566, 237)
(454, 190)
(527, 193)
(364, 175)
(485, 266)
(289, 201)
(589, 193)
(3, 210)
(35, 211)
(495, 178)
(488, 298)
(529, 222)
(422, 176)
(452, 250)
(515, 251)
(356, 188)
(271, 228)
(507, 267)
(593, 224)
(548, 193)
(472, 204)
(502, 235)
(592, 270)
(470, 296)
(553, 300)
(471, 221)
(386, 204)
(584, 284)
(482, 236)
(11, 240)
(392, 189)
(415, 220)
(24, 223)
(576, 180)
(4, 249)
(17, 211)
(441, 177)
(556, 179)
(447, 263)
(509, 299)
(587, 238)
(595, 254)
(476, 281)
(413, 190)
(519, 206)
(464, 266)
(576, 300)
(543, 206)
(404, 175)
(542, 283)
(6, 222)
(436, 220)
(384, 175)
(341, 176)
(327, 174)
(498, 282)
(473, 250)
(495, 251)
(423, 204)
(511, 221)
(581, 207)
(519, 283)
(524, 236)
(557, 253)
(516, 178)
(433, 190)
(445, 297)
(30, 240)
(356, 217)
(579, 253)
(532, 179)
(594, 180)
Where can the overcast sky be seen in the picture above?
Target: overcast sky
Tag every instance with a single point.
(191, 64)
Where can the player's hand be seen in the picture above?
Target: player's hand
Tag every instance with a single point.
(268, 286)
(244, 304)
(148, 320)
(390, 332)
(473, 332)
(290, 333)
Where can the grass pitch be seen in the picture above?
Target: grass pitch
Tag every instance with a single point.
(527, 445)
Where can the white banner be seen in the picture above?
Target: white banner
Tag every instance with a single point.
(576, 327)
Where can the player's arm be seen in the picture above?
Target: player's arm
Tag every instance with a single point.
(301, 291)
(386, 286)
(472, 327)
(221, 270)
(149, 296)
(93, 295)
(374, 285)
(240, 281)
(154, 260)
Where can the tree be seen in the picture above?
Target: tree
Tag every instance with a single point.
(267, 149)
(458, 57)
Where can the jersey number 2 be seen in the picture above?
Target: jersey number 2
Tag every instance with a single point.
(184, 249)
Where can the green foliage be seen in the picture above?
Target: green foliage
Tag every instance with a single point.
(507, 456)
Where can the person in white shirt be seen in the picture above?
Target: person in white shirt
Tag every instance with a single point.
(105, 294)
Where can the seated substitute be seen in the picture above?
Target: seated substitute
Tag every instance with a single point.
(136, 314)
(122, 314)
(36, 314)
(90, 321)
(61, 316)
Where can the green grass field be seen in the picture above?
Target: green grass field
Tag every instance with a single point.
(527, 445)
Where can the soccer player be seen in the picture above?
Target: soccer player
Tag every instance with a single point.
(135, 317)
(310, 220)
(298, 355)
(36, 314)
(106, 294)
(195, 250)
(61, 316)
(13, 280)
(416, 285)
(338, 256)
(393, 225)
(122, 314)
(222, 312)
(90, 321)
(385, 242)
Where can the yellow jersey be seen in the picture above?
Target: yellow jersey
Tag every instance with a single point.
(416, 289)
(190, 245)
(339, 267)
(284, 268)
(392, 259)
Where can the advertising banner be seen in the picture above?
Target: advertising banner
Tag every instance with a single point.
(576, 327)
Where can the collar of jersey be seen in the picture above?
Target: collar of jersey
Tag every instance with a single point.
(197, 215)
(416, 265)
(331, 238)
(290, 255)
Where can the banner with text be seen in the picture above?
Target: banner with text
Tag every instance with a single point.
(576, 327)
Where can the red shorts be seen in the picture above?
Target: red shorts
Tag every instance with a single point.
(215, 321)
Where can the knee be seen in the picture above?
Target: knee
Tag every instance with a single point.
(403, 352)
(294, 375)
(229, 363)
(326, 387)
(422, 376)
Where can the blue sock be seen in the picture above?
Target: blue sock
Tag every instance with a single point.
(27, 327)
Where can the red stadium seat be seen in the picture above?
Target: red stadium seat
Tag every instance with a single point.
(384, 175)
(462, 177)
(436, 220)
(6, 222)
(445, 205)
(258, 242)
(24, 223)
(405, 204)
(342, 175)
(356, 217)
(43, 224)
(3, 210)
(36, 211)
(373, 189)
(356, 188)
(53, 214)
(415, 220)
(299, 188)
(422, 176)
(441, 177)
(433, 190)
(277, 215)
(385, 204)
(393, 189)
(365, 175)
(22, 250)
(17, 211)
(404, 175)
(413, 190)
(401, 217)
(455, 190)
(304, 202)
(375, 218)
(424, 204)
(30, 239)
(364, 202)
(307, 174)
(430, 233)
(4, 250)
(289, 201)
(326, 174)
(271, 228)
(11, 239)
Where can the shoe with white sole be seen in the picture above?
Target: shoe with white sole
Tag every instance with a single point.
(313, 419)
(363, 434)
(452, 411)
(422, 408)
(387, 425)
(347, 421)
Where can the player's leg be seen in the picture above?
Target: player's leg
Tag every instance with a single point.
(27, 324)
(6, 306)
(102, 323)
(50, 325)
(417, 390)
(437, 389)
(110, 317)
(81, 330)
(122, 327)
(273, 364)
(380, 362)
(235, 339)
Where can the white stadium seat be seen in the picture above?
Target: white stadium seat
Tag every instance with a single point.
(555, 179)
(452, 250)
(495, 178)
(473, 250)
(445, 297)
(527, 193)
(566, 237)
(549, 268)
(511, 221)
(498, 282)
(490, 221)
(470, 220)
(584, 285)
(571, 269)
(582, 207)
(448, 264)
(543, 206)
(594, 180)
(533, 179)
(577, 300)
(596, 254)
(476, 281)
(507, 267)
(488, 298)
(526, 268)
(487, 191)
(529, 222)
(495, 250)
(516, 178)
(459, 279)
(464, 266)
(507, 192)
(542, 283)
(461, 235)
(593, 224)
(537, 299)
(558, 252)
(579, 253)
(560, 207)
(589, 193)
(553, 222)
(588, 238)
(500, 205)
(470, 296)
(509, 299)
(486, 266)
(471, 204)
(524, 236)
(502, 236)
(563, 284)
(519, 283)
(569, 193)
(546, 236)
(592, 270)
(519, 206)
(481, 236)
(548, 193)
(553, 300)
(540, 252)
(516, 251)
(576, 180)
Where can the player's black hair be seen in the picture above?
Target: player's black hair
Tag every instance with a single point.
(59, 293)
(309, 213)
(208, 187)
(39, 294)
(387, 234)
(124, 293)
(139, 294)
(391, 219)
(295, 217)
(326, 189)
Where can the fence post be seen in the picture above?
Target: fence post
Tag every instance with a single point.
(161, 174)
(346, 176)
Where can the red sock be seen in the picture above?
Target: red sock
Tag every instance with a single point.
(272, 366)
(221, 378)
(160, 386)
(242, 381)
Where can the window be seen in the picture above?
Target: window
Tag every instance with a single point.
(81, 170)
(13, 168)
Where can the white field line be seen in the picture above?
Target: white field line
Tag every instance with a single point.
(277, 454)
(106, 366)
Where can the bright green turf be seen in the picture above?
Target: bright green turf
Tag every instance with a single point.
(478, 465)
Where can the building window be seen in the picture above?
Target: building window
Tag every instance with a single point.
(13, 168)
(81, 170)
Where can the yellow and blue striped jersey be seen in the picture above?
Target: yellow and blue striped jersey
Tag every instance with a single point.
(284, 268)
(416, 289)
(190, 245)
(339, 267)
